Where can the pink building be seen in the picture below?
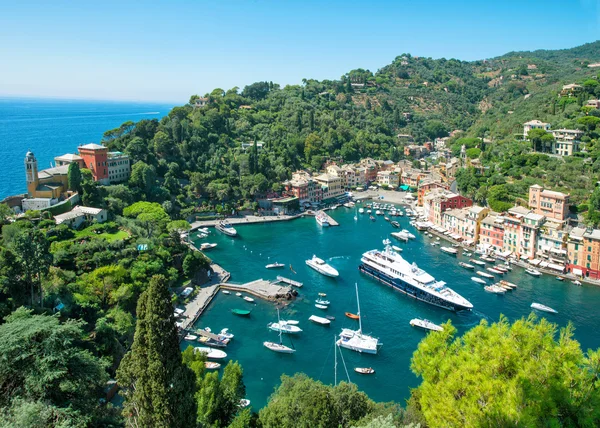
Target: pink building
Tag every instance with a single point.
(554, 205)
(491, 232)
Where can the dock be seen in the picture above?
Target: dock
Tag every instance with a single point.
(262, 289)
(288, 281)
(330, 220)
(250, 219)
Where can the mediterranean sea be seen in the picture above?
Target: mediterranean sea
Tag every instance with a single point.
(386, 313)
(53, 127)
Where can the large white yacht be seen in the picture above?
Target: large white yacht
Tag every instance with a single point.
(323, 268)
(392, 269)
(322, 219)
(226, 228)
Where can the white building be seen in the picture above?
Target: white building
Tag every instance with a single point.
(119, 167)
(78, 215)
(534, 124)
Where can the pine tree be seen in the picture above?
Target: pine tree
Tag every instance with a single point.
(158, 388)
(311, 120)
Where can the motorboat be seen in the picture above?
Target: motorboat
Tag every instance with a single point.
(395, 224)
(425, 324)
(275, 265)
(478, 280)
(248, 299)
(226, 228)
(533, 272)
(396, 248)
(466, 265)
(477, 262)
(244, 403)
(322, 219)
(400, 235)
(361, 210)
(364, 370)
(323, 294)
(224, 333)
(484, 274)
(500, 268)
(204, 230)
(330, 317)
(206, 246)
(238, 294)
(494, 289)
(210, 365)
(576, 282)
(321, 306)
(202, 235)
(449, 250)
(560, 278)
(356, 340)
(211, 353)
(190, 337)
(323, 268)
(225, 291)
(369, 211)
(378, 212)
(352, 316)
(410, 235)
(386, 218)
(488, 259)
(241, 312)
(284, 327)
(279, 347)
(496, 271)
(544, 308)
(215, 343)
(319, 320)
(505, 283)
(322, 302)
(291, 322)
(390, 268)
(467, 254)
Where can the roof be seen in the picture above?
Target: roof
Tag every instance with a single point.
(327, 177)
(572, 86)
(553, 194)
(536, 186)
(592, 234)
(70, 215)
(536, 122)
(92, 146)
(577, 232)
(534, 217)
(68, 157)
(51, 172)
(476, 209)
(519, 211)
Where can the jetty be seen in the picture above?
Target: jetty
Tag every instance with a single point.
(330, 220)
(250, 219)
(262, 289)
(288, 281)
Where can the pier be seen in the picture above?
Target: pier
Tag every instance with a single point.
(330, 220)
(251, 219)
(288, 281)
(262, 289)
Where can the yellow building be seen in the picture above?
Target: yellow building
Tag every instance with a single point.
(48, 183)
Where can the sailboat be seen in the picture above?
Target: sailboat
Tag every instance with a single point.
(356, 340)
(279, 347)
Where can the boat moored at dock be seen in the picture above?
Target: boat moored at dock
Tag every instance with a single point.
(466, 265)
(533, 272)
(226, 229)
(478, 280)
(449, 250)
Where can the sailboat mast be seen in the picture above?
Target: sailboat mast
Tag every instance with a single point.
(279, 324)
(358, 305)
(335, 363)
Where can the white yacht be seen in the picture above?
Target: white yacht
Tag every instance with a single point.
(226, 228)
(356, 340)
(392, 269)
(361, 210)
(207, 246)
(400, 235)
(319, 320)
(425, 324)
(213, 354)
(275, 265)
(279, 347)
(284, 327)
(449, 250)
(322, 219)
(323, 268)
(544, 308)
(410, 235)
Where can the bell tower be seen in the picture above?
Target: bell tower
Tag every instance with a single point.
(31, 173)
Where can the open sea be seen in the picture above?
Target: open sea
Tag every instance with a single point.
(386, 313)
(52, 127)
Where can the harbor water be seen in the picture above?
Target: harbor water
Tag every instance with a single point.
(386, 313)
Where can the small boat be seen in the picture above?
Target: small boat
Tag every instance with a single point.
(225, 334)
(493, 270)
(209, 365)
(507, 284)
(355, 218)
(576, 282)
(238, 294)
(291, 322)
(500, 268)
(225, 292)
(449, 250)
(395, 224)
(386, 218)
(494, 289)
(397, 249)
(456, 245)
(478, 280)
(372, 218)
(213, 354)
(244, 403)
(279, 347)
(323, 294)
(322, 302)
(560, 278)
(400, 235)
(361, 210)
(364, 370)
(410, 235)
(202, 235)
(275, 265)
(330, 317)
(467, 254)
(284, 327)
(533, 272)
(323, 268)
(425, 324)
(488, 259)
(477, 262)
(466, 265)
(378, 212)
(484, 274)
(190, 337)
(248, 299)
(240, 312)
(544, 308)
(204, 230)
(369, 211)
(207, 246)
(352, 316)
(321, 306)
(319, 320)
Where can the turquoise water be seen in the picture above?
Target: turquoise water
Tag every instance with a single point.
(51, 128)
(386, 313)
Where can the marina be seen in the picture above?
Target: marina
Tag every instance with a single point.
(245, 257)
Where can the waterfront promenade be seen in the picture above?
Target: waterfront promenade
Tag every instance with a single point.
(250, 219)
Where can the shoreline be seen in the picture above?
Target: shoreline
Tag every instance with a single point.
(251, 219)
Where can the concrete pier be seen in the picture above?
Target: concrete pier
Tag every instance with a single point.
(261, 288)
(330, 220)
(251, 219)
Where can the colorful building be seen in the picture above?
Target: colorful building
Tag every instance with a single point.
(491, 232)
(583, 249)
(48, 183)
(426, 185)
(554, 205)
(529, 234)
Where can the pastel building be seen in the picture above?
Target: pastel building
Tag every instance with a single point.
(529, 233)
(331, 185)
(583, 248)
(554, 205)
(473, 222)
(534, 124)
(439, 200)
(48, 183)
(388, 178)
(491, 232)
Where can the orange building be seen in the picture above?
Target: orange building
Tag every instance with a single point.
(95, 158)
(583, 251)
(554, 205)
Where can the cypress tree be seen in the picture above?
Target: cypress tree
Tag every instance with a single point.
(74, 177)
(158, 388)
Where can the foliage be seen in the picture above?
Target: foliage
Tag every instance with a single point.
(74, 177)
(507, 375)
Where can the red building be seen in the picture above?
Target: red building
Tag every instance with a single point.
(95, 158)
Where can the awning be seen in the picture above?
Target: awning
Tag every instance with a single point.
(523, 257)
(578, 272)
(456, 236)
(535, 262)
(556, 267)
(558, 251)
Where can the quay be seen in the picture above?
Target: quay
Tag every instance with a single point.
(251, 219)
(330, 220)
(291, 282)
(262, 289)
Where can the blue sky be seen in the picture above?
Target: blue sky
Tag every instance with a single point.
(167, 51)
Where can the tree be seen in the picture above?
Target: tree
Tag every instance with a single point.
(535, 136)
(507, 375)
(33, 254)
(5, 213)
(158, 388)
(590, 122)
(593, 214)
(74, 177)
(435, 129)
(473, 153)
(45, 365)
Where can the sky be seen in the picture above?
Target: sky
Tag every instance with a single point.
(165, 51)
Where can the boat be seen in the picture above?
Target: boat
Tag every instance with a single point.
(378, 212)
(213, 354)
(484, 274)
(456, 245)
(407, 233)
(284, 327)
(478, 280)
(477, 262)
(395, 248)
(466, 265)
(318, 306)
(330, 317)
(544, 308)
(190, 337)
(204, 230)
(279, 347)
(202, 235)
(322, 219)
(226, 228)
(323, 268)
(323, 294)
(369, 211)
(241, 312)
(364, 370)
(560, 278)
(488, 259)
(395, 224)
(244, 403)
(425, 324)
(291, 322)
(507, 284)
(361, 210)
(322, 302)
(319, 320)
(576, 282)
(449, 250)
(393, 270)
(372, 218)
(225, 292)
(400, 235)
(496, 271)
(248, 299)
(356, 340)
(352, 316)
(275, 265)
(225, 334)
(500, 268)
(347, 205)
(494, 289)
(210, 365)
(386, 218)
(533, 272)
(206, 246)
(467, 254)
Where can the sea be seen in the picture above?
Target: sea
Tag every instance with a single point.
(53, 127)
(386, 313)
